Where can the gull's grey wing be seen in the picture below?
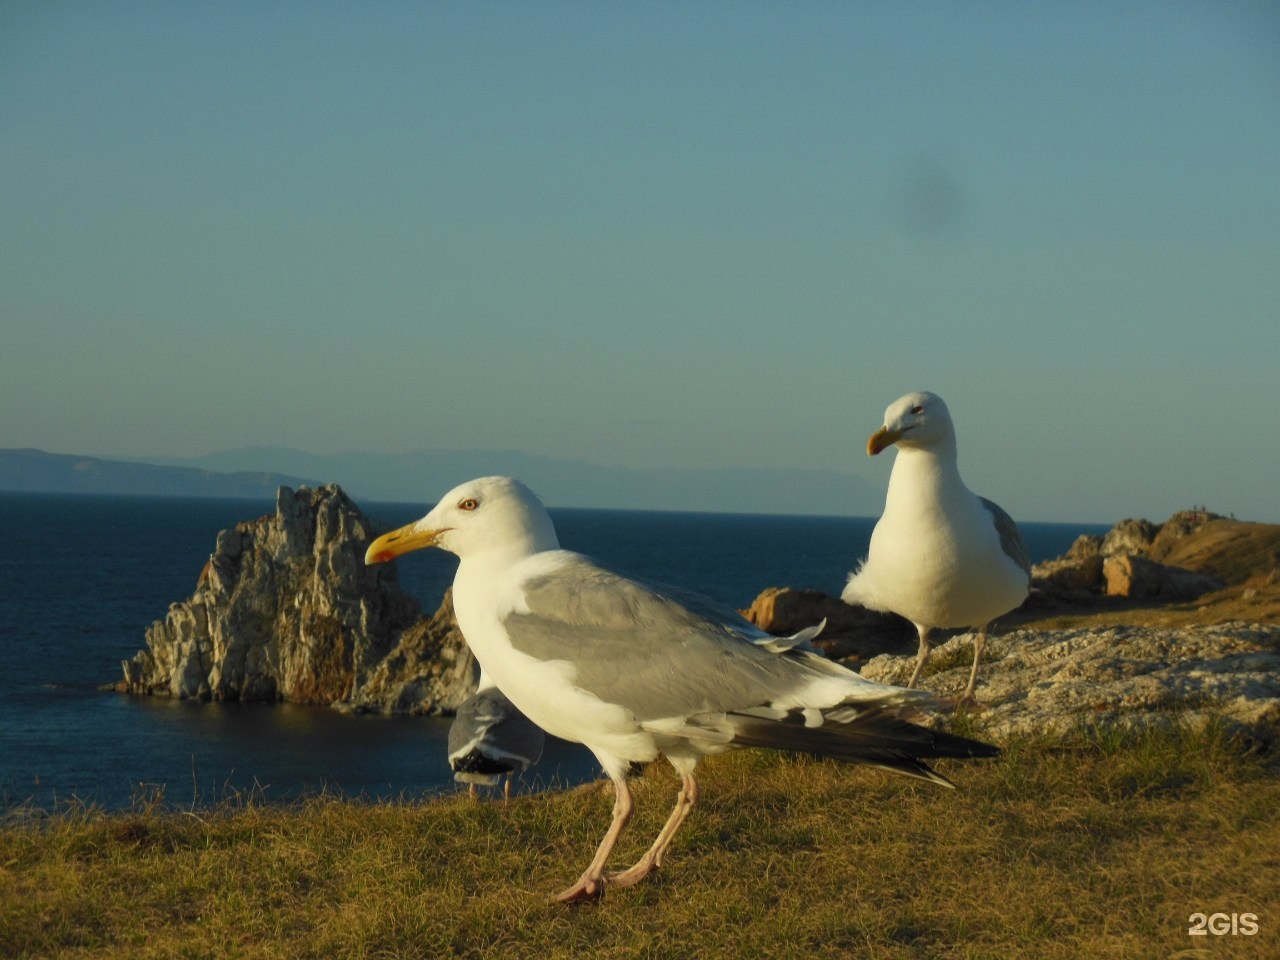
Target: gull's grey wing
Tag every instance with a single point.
(651, 653)
(716, 612)
(1010, 538)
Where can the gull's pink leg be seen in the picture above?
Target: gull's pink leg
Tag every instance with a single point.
(978, 643)
(591, 884)
(652, 858)
(921, 656)
(689, 789)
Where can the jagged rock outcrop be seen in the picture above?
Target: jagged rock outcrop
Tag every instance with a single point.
(1072, 576)
(286, 609)
(1047, 682)
(430, 671)
(1131, 536)
(1127, 575)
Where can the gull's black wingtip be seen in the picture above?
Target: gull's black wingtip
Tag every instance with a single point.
(955, 745)
(872, 736)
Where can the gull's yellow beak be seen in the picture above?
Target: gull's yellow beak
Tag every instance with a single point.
(884, 437)
(402, 541)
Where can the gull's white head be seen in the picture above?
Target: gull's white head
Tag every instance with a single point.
(919, 419)
(479, 516)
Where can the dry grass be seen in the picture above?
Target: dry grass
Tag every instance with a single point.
(1100, 848)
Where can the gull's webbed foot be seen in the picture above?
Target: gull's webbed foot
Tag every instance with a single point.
(968, 703)
(633, 874)
(586, 889)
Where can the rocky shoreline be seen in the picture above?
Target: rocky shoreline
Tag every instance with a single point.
(1148, 624)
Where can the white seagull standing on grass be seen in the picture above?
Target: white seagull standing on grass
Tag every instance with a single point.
(633, 671)
(489, 737)
(940, 555)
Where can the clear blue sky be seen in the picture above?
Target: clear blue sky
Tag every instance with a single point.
(664, 234)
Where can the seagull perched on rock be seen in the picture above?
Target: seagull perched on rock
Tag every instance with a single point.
(633, 670)
(940, 555)
(489, 737)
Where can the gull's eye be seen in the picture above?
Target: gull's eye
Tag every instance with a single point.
(468, 504)
(917, 409)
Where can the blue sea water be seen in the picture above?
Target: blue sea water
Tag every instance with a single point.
(81, 578)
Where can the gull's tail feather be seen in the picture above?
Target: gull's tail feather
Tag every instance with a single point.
(874, 737)
(475, 761)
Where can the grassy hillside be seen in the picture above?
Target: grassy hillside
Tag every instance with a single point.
(1232, 550)
(1102, 847)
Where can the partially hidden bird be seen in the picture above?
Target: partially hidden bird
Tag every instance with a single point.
(634, 670)
(940, 556)
(489, 739)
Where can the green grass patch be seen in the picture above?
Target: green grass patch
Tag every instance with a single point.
(1099, 845)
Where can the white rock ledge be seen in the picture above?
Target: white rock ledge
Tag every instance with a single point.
(1047, 681)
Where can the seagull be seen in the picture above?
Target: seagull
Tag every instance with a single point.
(490, 737)
(633, 670)
(940, 555)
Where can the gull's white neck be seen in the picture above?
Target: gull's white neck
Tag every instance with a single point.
(924, 475)
(483, 570)
(499, 557)
(486, 586)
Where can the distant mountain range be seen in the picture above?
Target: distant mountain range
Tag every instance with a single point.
(35, 471)
(422, 476)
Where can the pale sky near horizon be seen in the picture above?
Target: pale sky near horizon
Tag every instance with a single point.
(656, 234)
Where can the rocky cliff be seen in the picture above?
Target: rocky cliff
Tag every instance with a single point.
(286, 609)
